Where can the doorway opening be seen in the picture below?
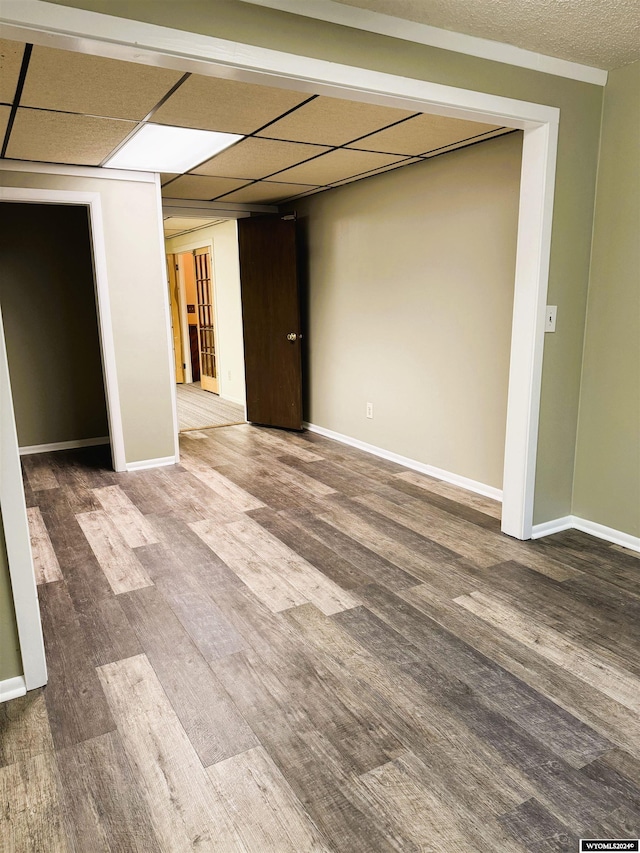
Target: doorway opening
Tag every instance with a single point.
(48, 301)
(204, 294)
(58, 387)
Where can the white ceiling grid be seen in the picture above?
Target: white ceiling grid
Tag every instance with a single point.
(64, 107)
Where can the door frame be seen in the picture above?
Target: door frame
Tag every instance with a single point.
(12, 501)
(92, 201)
(210, 244)
(188, 249)
(172, 278)
(184, 319)
(17, 537)
(90, 32)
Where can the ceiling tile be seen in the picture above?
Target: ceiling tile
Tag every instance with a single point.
(65, 138)
(336, 166)
(79, 83)
(421, 134)
(266, 192)
(256, 158)
(168, 176)
(10, 62)
(210, 103)
(200, 187)
(5, 112)
(331, 121)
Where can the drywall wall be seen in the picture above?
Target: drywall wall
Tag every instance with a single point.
(410, 286)
(607, 474)
(580, 107)
(48, 306)
(226, 271)
(138, 299)
(10, 660)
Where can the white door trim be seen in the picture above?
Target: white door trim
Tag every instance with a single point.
(537, 183)
(106, 35)
(136, 41)
(92, 202)
(16, 533)
(184, 320)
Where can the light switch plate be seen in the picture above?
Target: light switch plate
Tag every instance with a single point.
(550, 319)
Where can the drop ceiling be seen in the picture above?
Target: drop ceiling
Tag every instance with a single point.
(64, 107)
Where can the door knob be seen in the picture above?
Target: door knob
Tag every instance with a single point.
(292, 337)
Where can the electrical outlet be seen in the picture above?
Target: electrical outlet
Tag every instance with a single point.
(550, 318)
(369, 410)
(228, 374)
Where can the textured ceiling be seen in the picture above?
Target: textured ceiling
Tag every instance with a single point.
(63, 107)
(601, 33)
(77, 83)
(10, 61)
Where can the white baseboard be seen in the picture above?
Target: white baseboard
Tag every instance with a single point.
(12, 688)
(618, 537)
(414, 465)
(556, 525)
(600, 531)
(143, 464)
(63, 445)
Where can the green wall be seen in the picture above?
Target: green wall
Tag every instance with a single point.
(580, 107)
(390, 261)
(48, 307)
(607, 476)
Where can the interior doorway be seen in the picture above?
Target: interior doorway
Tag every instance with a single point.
(200, 319)
(48, 298)
(54, 290)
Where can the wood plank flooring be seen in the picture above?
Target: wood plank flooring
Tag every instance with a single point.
(284, 645)
(198, 409)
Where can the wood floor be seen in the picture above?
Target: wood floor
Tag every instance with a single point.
(285, 645)
(198, 409)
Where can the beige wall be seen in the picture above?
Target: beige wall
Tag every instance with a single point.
(410, 298)
(10, 660)
(226, 271)
(607, 477)
(580, 107)
(138, 297)
(48, 306)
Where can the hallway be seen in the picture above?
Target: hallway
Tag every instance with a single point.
(198, 409)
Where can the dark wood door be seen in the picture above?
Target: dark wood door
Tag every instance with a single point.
(271, 321)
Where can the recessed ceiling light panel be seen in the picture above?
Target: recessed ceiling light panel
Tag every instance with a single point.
(162, 148)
